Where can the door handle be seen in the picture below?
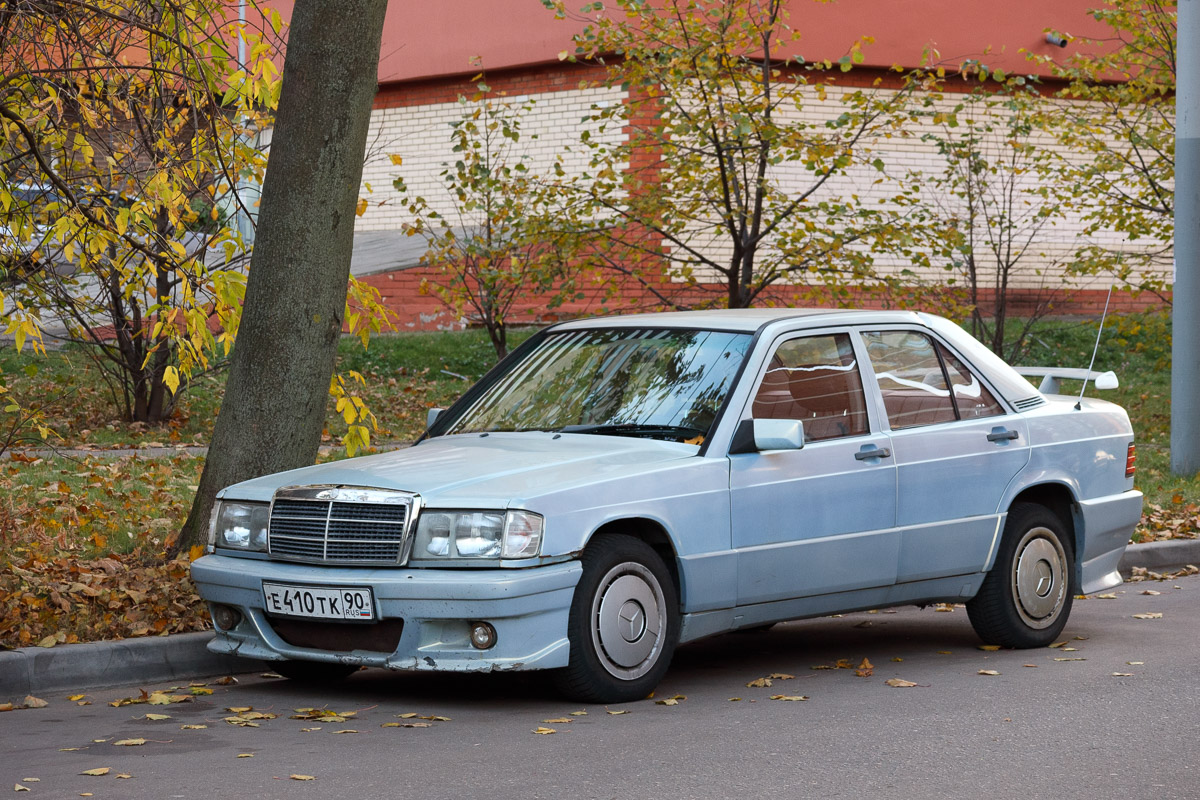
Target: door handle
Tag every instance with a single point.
(1000, 435)
(879, 452)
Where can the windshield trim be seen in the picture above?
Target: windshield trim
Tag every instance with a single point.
(484, 384)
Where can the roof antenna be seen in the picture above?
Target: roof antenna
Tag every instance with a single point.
(1096, 349)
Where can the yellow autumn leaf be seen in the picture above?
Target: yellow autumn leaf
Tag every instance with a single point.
(19, 788)
(1149, 615)
(157, 717)
(97, 771)
(171, 379)
(34, 702)
(781, 676)
(239, 709)
(346, 730)
(620, 711)
(759, 683)
(129, 742)
(397, 160)
(245, 755)
(302, 777)
(578, 713)
(192, 727)
(670, 701)
(121, 775)
(792, 697)
(989, 647)
(76, 697)
(558, 721)
(900, 683)
(544, 730)
(988, 672)
(361, 208)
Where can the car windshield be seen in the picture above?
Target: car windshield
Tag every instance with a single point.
(655, 383)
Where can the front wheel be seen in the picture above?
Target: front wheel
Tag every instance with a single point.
(623, 624)
(1026, 598)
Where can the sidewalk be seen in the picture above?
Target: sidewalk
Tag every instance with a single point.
(77, 668)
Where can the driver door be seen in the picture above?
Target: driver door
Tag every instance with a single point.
(820, 519)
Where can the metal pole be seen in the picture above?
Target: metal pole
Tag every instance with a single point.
(1185, 305)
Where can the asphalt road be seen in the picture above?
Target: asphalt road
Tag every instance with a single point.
(1055, 723)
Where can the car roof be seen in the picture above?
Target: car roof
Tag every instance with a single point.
(1004, 378)
(740, 319)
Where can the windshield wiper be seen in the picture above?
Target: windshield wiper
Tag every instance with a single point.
(647, 431)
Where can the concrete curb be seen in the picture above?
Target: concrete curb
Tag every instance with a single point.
(1161, 556)
(78, 668)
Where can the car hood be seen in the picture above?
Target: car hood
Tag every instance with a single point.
(495, 470)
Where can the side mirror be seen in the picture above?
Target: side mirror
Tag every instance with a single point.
(1106, 380)
(431, 416)
(757, 435)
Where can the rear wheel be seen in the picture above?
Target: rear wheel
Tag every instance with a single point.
(1026, 598)
(623, 625)
(313, 671)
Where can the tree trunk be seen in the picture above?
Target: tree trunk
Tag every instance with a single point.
(278, 385)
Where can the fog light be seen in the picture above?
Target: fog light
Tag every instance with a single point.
(225, 617)
(483, 635)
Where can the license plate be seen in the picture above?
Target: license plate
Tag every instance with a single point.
(319, 602)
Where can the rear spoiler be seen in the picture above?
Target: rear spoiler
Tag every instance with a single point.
(1051, 376)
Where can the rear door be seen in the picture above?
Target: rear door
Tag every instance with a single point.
(956, 449)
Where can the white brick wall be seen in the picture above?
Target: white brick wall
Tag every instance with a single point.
(420, 135)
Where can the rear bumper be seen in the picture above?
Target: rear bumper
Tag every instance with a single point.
(1108, 522)
(527, 607)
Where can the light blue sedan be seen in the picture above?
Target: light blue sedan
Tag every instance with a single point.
(617, 487)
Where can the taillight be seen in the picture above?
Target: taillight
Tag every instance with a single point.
(1131, 460)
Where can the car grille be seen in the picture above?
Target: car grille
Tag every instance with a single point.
(336, 531)
(340, 637)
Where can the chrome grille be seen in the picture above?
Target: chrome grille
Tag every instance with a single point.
(338, 525)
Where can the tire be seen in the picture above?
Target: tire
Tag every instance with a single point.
(623, 624)
(1026, 597)
(313, 671)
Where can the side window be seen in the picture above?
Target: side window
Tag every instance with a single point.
(814, 379)
(970, 396)
(910, 378)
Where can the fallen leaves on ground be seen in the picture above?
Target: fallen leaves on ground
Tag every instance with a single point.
(792, 697)
(62, 600)
(900, 683)
(866, 669)
(302, 777)
(1149, 615)
(618, 711)
(544, 730)
(671, 701)
(759, 683)
(129, 742)
(1177, 520)
(98, 771)
(1142, 574)
(326, 715)
(991, 672)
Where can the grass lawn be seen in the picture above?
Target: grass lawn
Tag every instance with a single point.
(81, 538)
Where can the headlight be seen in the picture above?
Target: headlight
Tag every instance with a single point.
(239, 525)
(477, 535)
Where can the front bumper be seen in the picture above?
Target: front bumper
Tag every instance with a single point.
(527, 607)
